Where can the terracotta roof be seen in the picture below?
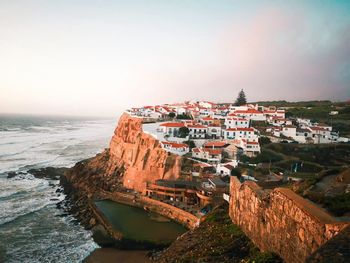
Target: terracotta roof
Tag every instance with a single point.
(196, 150)
(172, 124)
(240, 129)
(229, 166)
(175, 144)
(197, 126)
(316, 128)
(252, 142)
(215, 144)
(208, 119)
(248, 111)
(213, 151)
(237, 119)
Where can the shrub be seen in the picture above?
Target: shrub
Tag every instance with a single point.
(339, 204)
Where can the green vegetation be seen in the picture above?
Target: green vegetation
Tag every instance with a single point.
(183, 132)
(190, 144)
(241, 99)
(171, 115)
(339, 204)
(264, 140)
(183, 117)
(266, 156)
(236, 172)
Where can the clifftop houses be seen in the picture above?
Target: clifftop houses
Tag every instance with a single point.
(214, 136)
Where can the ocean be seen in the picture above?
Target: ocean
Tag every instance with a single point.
(32, 229)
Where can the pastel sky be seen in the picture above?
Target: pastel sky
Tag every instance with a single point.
(84, 57)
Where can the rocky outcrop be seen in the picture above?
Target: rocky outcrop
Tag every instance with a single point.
(281, 221)
(133, 159)
(140, 155)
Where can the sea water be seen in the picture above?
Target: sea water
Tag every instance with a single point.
(32, 229)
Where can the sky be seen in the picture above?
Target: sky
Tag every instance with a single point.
(83, 57)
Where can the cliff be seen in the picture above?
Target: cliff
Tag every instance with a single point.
(140, 156)
(133, 159)
(281, 221)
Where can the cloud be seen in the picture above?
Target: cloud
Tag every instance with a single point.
(283, 55)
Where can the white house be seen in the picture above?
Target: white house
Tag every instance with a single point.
(171, 128)
(176, 148)
(236, 122)
(214, 131)
(289, 131)
(210, 155)
(251, 114)
(320, 134)
(224, 169)
(277, 121)
(249, 147)
(197, 131)
(236, 133)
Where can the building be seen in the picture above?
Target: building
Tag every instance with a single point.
(197, 131)
(171, 128)
(176, 148)
(207, 154)
(236, 133)
(224, 169)
(236, 122)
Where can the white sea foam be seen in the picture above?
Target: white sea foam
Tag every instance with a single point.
(29, 220)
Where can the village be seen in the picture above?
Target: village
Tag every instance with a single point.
(215, 136)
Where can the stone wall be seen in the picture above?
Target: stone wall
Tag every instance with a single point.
(280, 221)
(183, 217)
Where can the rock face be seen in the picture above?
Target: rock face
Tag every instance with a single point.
(133, 159)
(281, 221)
(140, 156)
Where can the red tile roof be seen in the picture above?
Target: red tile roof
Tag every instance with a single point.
(249, 111)
(175, 144)
(240, 129)
(172, 124)
(213, 151)
(215, 144)
(197, 126)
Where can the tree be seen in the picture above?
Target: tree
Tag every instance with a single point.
(241, 99)
(171, 114)
(183, 117)
(264, 140)
(183, 132)
(190, 144)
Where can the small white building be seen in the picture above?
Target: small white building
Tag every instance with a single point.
(251, 114)
(224, 169)
(171, 128)
(289, 131)
(210, 155)
(176, 148)
(235, 122)
(236, 133)
(214, 131)
(197, 131)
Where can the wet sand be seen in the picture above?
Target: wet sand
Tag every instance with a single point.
(112, 255)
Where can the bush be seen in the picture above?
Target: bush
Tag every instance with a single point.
(183, 132)
(267, 156)
(236, 172)
(190, 144)
(183, 117)
(264, 140)
(339, 204)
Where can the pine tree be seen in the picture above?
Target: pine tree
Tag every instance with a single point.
(241, 99)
